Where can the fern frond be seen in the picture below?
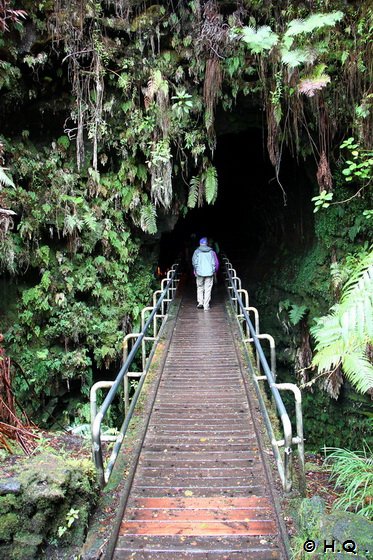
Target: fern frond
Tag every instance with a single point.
(210, 179)
(359, 371)
(312, 22)
(343, 335)
(364, 266)
(295, 57)
(72, 222)
(329, 357)
(148, 216)
(194, 191)
(297, 313)
(4, 179)
(259, 40)
(90, 221)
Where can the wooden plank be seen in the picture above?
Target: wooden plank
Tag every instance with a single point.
(201, 515)
(247, 502)
(195, 528)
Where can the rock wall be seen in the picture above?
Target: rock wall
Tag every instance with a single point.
(44, 507)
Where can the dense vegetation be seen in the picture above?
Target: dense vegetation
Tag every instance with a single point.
(108, 131)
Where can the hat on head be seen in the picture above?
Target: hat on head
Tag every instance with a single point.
(203, 241)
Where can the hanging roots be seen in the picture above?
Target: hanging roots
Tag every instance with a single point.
(324, 176)
(11, 427)
(272, 136)
(213, 36)
(211, 91)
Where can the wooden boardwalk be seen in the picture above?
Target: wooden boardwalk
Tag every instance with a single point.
(201, 488)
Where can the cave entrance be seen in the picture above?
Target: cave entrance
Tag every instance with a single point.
(254, 217)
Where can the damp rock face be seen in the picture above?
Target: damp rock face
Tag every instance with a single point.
(351, 535)
(45, 505)
(341, 533)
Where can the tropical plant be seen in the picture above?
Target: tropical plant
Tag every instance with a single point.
(295, 312)
(344, 337)
(262, 38)
(203, 187)
(322, 200)
(359, 168)
(352, 471)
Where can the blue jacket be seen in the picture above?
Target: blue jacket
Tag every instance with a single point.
(203, 261)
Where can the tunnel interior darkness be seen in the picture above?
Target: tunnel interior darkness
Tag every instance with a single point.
(252, 217)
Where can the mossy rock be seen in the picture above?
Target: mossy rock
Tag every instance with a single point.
(9, 523)
(44, 480)
(38, 522)
(25, 546)
(309, 513)
(345, 527)
(9, 503)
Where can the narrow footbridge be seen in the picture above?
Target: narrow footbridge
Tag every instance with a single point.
(202, 487)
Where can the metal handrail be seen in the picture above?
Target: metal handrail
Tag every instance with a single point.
(284, 464)
(169, 286)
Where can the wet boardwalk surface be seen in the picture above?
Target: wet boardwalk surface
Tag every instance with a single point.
(200, 489)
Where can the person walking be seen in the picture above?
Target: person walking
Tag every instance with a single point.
(205, 263)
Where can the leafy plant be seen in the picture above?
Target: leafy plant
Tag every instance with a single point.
(322, 200)
(312, 22)
(194, 190)
(360, 167)
(343, 337)
(183, 103)
(9, 14)
(352, 471)
(71, 516)
(295, 312)
(260, 39)
(203, 186)
(210, 180)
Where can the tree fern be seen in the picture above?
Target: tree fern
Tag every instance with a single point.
(295, 57)
(343, 336)
(312, 22)
(259, 40)
(210, 179)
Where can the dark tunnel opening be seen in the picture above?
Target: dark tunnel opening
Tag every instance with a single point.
(254, 217)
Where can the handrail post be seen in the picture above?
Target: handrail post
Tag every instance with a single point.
(299, 440)
(252, 334)
(168, 285)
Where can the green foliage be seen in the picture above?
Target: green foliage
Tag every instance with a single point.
(296, 312)
(203, 186)
(313, 22)
(86, 289)
(360, 167)
(343, 335)
(148, 218)
(194, 189)
(71, 516)
(322, 200)
(210, 179)
(352, 471)
(183, 103)
(259, 40)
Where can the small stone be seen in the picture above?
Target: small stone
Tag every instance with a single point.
(10, 486)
